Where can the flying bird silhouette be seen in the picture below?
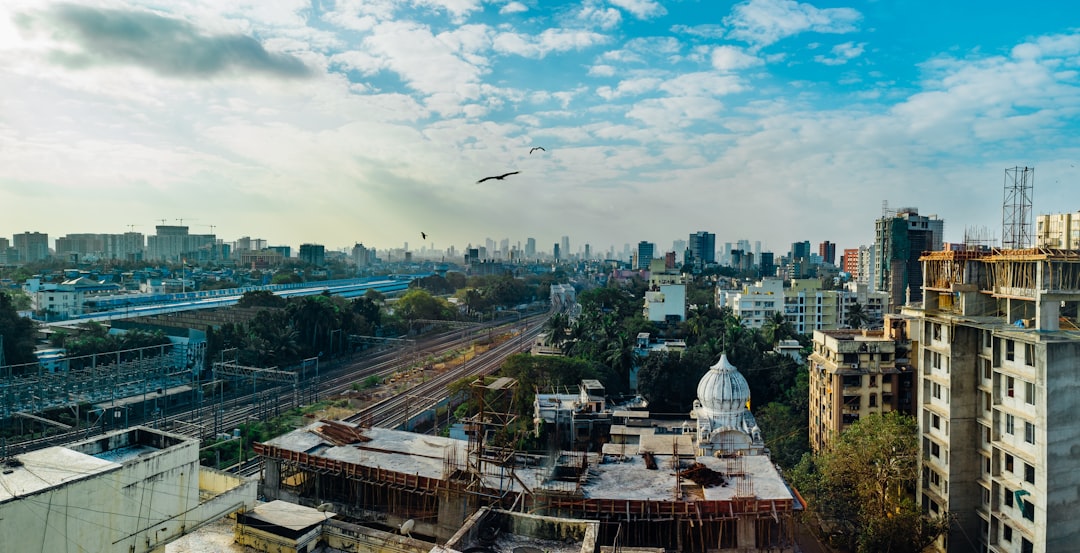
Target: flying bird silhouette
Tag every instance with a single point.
(423, 235)
(535, 148)
(499, 177)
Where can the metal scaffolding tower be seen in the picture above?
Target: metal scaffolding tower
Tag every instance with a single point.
(1016, 208)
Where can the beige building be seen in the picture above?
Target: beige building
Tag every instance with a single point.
(1058, 230)
(999, 345)
(133, 490)
(854, 373)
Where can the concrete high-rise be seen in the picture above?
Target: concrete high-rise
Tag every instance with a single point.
(32, 246)
(702, 246)
(998, 348)
(530, 248)
(827, 251)
(899, 240)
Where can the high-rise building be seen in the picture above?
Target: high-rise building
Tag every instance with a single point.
(565, 245)
(702, 247)
(766, 265)
(173, 243)
(555, 253)
(850, 262)
(313, 254)
(32, 246)
(827, 251)
(530, 248)
(799, 250)
(726, 254)
(998, 348)
(644, 255)
(588, 252)
(899, 241)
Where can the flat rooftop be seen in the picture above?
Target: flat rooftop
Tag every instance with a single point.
(609, 476)
(44, 469)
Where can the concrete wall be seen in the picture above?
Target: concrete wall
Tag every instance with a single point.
(1057, 482)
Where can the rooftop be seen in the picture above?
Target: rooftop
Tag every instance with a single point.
(44, 469)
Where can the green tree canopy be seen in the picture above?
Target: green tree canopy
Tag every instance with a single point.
(864, 486)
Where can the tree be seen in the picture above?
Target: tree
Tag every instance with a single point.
(856, 316)
(418, 303)
(260, 298)
(556, 327)
(16, 334)
(866, 482)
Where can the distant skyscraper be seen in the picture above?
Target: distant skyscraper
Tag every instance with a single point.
(800, 250)
(555, 251)
(766, 265)
(850, 262)
(314, 254)
(827, 251)
(565, 248)
(32, 246)
(588, 252)
(530, 248)
(725, 256)
(644, 254)
(702, 246)
(899, 241)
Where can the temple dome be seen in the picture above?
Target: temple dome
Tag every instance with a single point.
(723, 389)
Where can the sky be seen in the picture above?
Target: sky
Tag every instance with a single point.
(371, 121)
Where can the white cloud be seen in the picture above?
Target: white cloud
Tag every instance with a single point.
(548, 41)
(702, 84)
(732, 58)
(513, 7)
(428, 63)
(763, 22)
(641, 9)
(703, 31)
(842, 53)
(602, 17)
(629, 87)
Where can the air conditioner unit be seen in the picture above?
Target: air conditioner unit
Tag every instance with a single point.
(855, 365)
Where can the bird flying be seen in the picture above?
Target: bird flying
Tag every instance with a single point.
(535, 148)
(498, 177)
(423, 235)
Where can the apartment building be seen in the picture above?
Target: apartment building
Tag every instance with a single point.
(999, 345)
(854, 373)
(1058, 230)
(754, 304)
(900, 239)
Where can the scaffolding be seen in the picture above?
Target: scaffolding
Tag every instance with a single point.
(1016, 208)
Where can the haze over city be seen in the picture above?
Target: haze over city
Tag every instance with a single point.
(373, 121)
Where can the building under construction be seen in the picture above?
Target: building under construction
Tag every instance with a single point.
(999, 346)
(703, 485)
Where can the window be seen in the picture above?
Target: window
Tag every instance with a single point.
(1006, 532)
(936, 329)
(1026, 546)
(935, 421)
(935, 360)
(1029, 474)
(1010, 352)
(1029, 432)
(1007, 496)
(987, 372)
(1009, 422)
(988, 402)
(1008, 462)
(1029, 355)
(936, 390)
(1028, 509)
(935, 449)
(1029, 393)
(873, 381)
(873, 400)
(1010, 386)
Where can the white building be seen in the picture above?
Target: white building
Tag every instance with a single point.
(133, 490)
(755, 304)
(725, 425)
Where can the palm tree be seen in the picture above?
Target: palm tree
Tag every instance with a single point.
(556, 328)
(856, 316)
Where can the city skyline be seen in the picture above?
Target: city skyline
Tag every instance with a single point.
(772, 120)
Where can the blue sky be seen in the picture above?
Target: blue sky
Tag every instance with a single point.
(371, 121)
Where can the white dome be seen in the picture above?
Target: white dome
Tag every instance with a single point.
(723, 389)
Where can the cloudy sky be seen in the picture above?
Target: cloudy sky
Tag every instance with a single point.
(371, 120)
